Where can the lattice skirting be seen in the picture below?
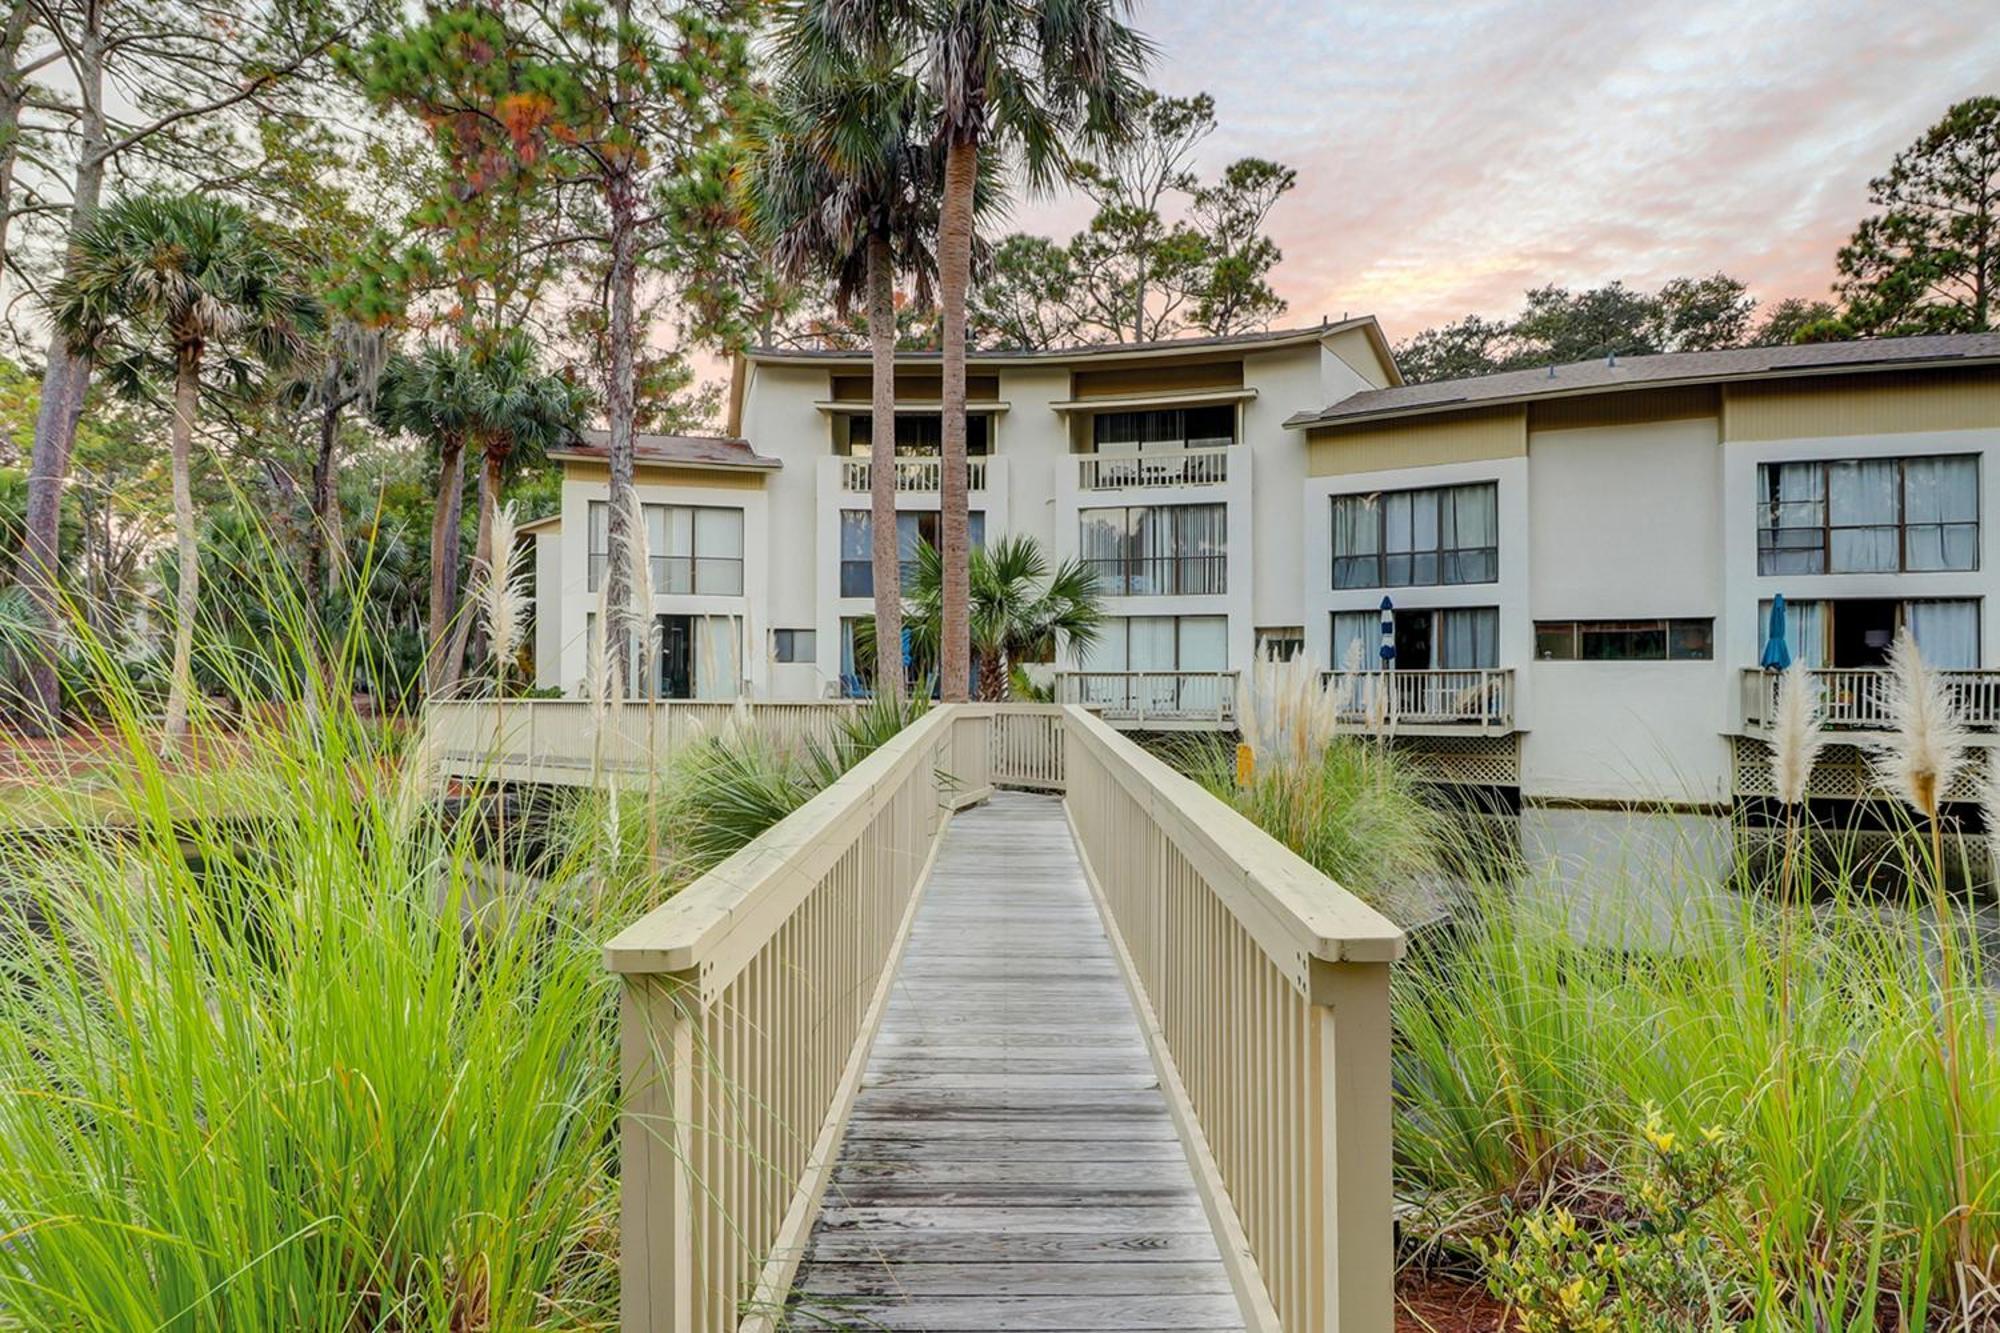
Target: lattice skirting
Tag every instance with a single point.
(1843, 773)
(1471, 761)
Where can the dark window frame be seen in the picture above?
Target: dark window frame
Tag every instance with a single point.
(1579, 635)
(662, 567)
(1204, 575)
(1769, 547)
(785, 646)
(1371, 569)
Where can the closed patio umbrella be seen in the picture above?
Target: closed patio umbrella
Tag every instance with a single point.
(1388, 634)
(1777, 653)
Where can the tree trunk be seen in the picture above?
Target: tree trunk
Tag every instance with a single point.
(65, 379)
(13, 92)
(444, 559)
(886, 551)
(323, 552)
(992, 677)
(954, 277)
(180, 685)
(468, 630)
(621, 198)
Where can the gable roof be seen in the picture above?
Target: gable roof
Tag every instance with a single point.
(1613, 375)
(697, 451)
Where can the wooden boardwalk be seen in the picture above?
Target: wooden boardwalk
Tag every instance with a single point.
(1011, 1163)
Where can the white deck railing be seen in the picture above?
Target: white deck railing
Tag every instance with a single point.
(1193, 466)
(1476, 700)
(1139, 697)
(1855, 698)
(912, 474)
(750, 999)
(560, 741)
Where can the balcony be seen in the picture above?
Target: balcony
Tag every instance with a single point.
(1854, 699)
(1468, 702)
(1163, 700)
(912, 474)
(1196, 465)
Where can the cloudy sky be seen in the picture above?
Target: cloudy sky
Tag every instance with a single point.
(1452, 153)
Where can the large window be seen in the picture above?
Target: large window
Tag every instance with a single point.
(1858, 631)
(1683, 640)
(1157, 550)
(1868, 515)
(1457, 638)
(918, 435)
(1161, 643)
(1190, 427)
(915, 529)
(1421, 538)
(695, 548)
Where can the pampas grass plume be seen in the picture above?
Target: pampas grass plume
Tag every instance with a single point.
(1928, 743)
(1796, 738)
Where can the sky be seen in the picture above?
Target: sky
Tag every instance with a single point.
(1453, 153)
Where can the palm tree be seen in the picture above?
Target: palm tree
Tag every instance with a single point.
(177, 286)
(498, 403)
(1020, 609)
(1032, 76)
(844, 182)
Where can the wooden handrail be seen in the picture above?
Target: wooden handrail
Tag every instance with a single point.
(1264, 990)
(748, 1002)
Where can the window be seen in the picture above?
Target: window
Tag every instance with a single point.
(914, 530)
(1171, 428)
(794, 645)
(1859, 631)
(1280, 644)
(695, 549)
(918, 435)
(1685, 640)
(1157, 550)
(1422, 538)
(1868, 515)
(1457, 638)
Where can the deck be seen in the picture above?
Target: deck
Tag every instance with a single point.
(1011, 1161)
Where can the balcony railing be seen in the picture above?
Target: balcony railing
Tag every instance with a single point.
(912, 474)
(1196, 465)
(1477, 700)
(1162, 576)
(1856, 698)
(1138, 698)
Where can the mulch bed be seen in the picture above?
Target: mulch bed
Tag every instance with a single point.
(1441, 1303)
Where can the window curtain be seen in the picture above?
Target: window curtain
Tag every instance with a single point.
(1471, 534)
(599, 535)
(1805, 631)
(718, 663)
(718, 552)
(1862, 507)
(1941, 513)
(1469, 638)
(1202, 537)
(1947, 633)
(1108, 652)
(1204, 643)
(1363, 628)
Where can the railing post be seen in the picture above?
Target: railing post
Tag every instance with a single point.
(656, 1265)
(1355, 1136)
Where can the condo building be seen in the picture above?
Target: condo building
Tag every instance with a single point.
(1579, 562)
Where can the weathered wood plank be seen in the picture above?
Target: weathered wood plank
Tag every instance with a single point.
(1011, 1162)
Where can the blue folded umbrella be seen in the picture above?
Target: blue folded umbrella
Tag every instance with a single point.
(1777, 653)
(1388, 633)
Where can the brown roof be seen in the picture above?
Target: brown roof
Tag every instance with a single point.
(1638, 372)
(708, 451)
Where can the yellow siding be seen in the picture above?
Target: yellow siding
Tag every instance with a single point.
(1423, 442)
(1118, 381)
(1888, 402)
(1629, 408)
(659, 474)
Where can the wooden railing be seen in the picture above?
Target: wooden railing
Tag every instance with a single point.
(1264, 988)
(1475, 700)
(1855, 698)
(912, 474)
(560, 741)
(1137, 698)
(1193, 466)
(748, 998)
(1026, 749)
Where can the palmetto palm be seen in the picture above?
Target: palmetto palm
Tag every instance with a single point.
(497, 403)
(176, 287)
(1019, 608)
(1033, 76)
